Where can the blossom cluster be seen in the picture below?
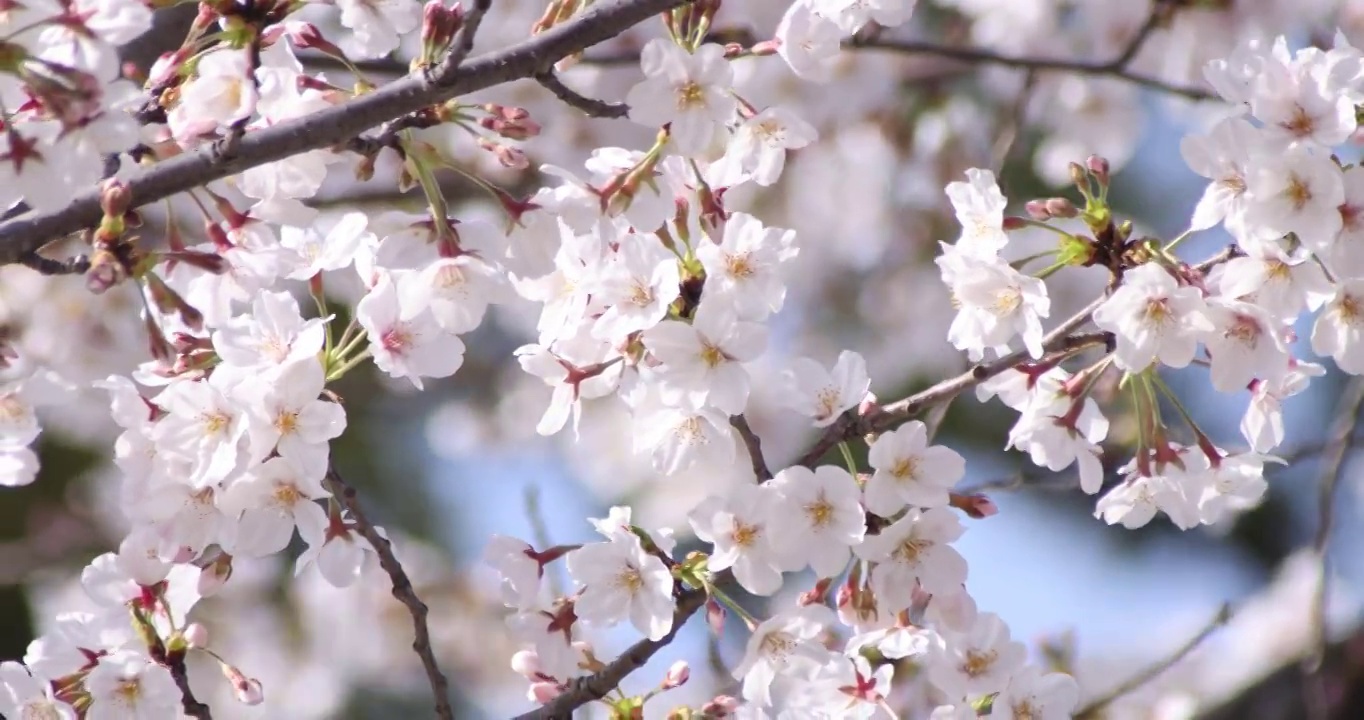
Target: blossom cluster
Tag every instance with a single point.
(1283, 196)
(655, 294)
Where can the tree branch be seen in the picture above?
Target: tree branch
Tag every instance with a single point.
(754, 445)
(571, 97)
(464, 42)
(850, 425)
(334, 126)
(402, 590)
(190, 704)
(985, 57)
(1095, 707)
(595, 687)
(1332, 465)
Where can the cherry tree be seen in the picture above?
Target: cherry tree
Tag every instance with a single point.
(736, 261)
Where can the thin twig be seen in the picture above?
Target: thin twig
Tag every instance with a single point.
(754, 445)
(596, 686)
(986, 57)
(1058, 340)
(402, 590)
(1013, 125)
(1332, 466)
(463, 43)
(75, 265)
(571, 97)
(1094, 707)
(190, 704)
(335, 125)
(539, 532)
(1160, 13)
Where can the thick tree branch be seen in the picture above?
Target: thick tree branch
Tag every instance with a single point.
(402, 590)
(595, 687)
(334, 126)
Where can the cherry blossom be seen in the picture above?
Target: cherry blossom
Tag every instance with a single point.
(977, 663)
(829, 519)
(702, 362)
(126, 684)
(741, 528)
(785, 644)
(909, 471)
(406, 341)
(914, 552)
(687, 91)
(621, 580)
(824, 395)
(744, 268)
(1033, 695)
(1154, 319)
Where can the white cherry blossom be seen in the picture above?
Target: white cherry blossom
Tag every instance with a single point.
(824, 395)
(823, 519)
(744, 268)
(620, 580)
(741, 529)
(909, 471)
(689, 91)
(703, 360)
(407, 342)
(782, 646)
(1339, 330)
(1032, 695)
(1153, 318)
(913, 552)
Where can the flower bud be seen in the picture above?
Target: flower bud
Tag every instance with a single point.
(715, 616)
(1037, 210)
(213, 577)
(439, 25)
(1098, 167)
(208, 262)
(114, 198)
(721, 706)
(157, 346)
(526, 663)
(105, 272)
(975, 505)
(306, 36)
(1061, 207)
(248, 690)
(543, 692)
(196, 635)
(677, 675)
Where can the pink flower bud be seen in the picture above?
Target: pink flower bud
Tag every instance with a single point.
(975, 505)
(248, 690)
(1037, 210)
(543, 692)
(677, 675)
(721, 706)
(526, 663)
(195, 635)
(868, 407)
(1098, 166)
